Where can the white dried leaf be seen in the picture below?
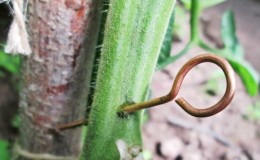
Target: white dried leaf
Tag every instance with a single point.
(128, 153)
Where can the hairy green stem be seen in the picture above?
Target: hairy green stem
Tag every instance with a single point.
(134, 32)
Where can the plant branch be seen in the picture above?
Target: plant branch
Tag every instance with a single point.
(133, 36)
(194, 34)
(172, 59)
(203, 45)
(194, 20)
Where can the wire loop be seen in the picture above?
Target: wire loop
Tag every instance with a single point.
(222, 104)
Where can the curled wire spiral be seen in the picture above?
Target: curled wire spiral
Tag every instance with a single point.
(222, 104)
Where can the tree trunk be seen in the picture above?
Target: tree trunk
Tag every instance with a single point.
(63, 35)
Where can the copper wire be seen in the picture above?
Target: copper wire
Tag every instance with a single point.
(223, 103)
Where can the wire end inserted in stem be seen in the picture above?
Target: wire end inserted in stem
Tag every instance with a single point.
(222, 104)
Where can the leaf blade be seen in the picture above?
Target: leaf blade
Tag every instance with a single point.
(228, 34)
(248, 75)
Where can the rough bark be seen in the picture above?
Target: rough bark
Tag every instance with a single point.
(63, 35)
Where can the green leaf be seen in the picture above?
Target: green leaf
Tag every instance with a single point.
(203, 3)
(186, 3)
(235, 54)
(249, 76)
(228, 34)
(9, 62)
(247, 73)
(4, 150)
(167, 42)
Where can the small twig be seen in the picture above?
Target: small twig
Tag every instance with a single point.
(70, 125)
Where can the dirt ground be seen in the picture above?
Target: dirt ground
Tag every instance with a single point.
(172, 134)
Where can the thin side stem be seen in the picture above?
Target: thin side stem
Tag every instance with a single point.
(73, 124)
(194, 20)
(194, 34)
(203, 45)
(177, 56)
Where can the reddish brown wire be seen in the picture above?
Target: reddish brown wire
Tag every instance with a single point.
(223, 103)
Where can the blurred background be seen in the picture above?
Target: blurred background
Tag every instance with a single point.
(233, 134)
(229, 28)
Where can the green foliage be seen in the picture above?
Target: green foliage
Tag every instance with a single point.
(203, 3)
(167, 43)
(228, 34)
(248, 74)
(5, 153)
(232, 51)
(235, 54)
(9, 62)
